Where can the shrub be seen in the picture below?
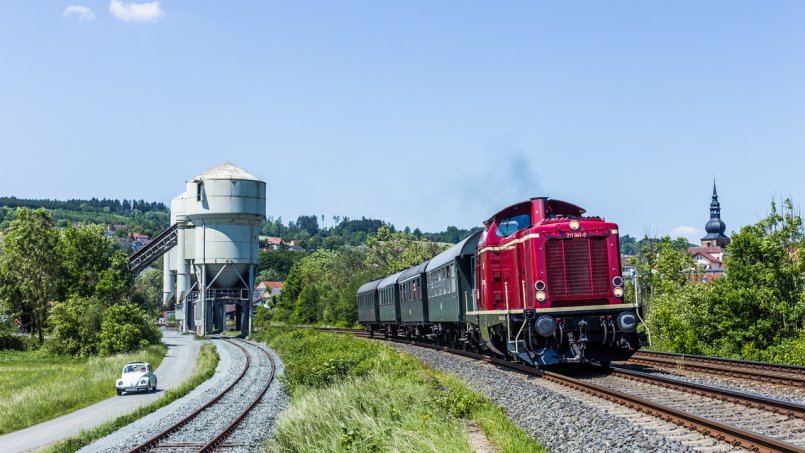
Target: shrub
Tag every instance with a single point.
(9, 338)
(125, 328)
(74, 327)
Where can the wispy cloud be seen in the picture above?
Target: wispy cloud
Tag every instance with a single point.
(136, 12)
(686, 231)
(83, 13)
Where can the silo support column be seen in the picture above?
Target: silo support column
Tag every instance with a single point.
(202, 326)
(246, 311)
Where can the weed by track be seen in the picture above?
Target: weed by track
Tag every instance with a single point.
(351, 394)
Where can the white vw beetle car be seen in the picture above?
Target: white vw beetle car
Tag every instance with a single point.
(136, 377)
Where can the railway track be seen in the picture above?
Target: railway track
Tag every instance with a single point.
(163, 440)
(756, 371)
(699, 411)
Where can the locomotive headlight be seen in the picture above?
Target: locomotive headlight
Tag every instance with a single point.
(617, 281)
(541, 296)
(627, 322)
(545, 325)
(574, 224)
(618, 292)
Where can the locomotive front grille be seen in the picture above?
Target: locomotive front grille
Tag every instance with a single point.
(577, 267)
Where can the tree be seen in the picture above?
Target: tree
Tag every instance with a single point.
(308, 223)
(279, 261)
(755, 312)
(83, 253)
(114, 283)
(306, 310)
(31, 268)
(663, 266)
(147, 291)
(767, 260)
(390, 252)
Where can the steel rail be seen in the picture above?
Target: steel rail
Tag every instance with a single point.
(223, 435)
(720, 431)
(758, 371)
(776, 406)
(155, 440)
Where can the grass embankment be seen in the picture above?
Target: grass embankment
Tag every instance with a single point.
(350, 394)
(36, 387)
(205, 368)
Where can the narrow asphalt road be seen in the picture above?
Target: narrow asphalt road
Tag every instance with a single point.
(174, 369)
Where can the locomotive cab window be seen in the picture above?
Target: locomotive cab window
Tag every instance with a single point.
(510, 225)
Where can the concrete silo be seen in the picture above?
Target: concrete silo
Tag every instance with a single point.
(214, 261)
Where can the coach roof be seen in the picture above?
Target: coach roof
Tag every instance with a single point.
(389, 281)
(413, 271)
(371, 286)
(466, 247)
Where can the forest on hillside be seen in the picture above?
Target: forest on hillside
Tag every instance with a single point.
(152, 217)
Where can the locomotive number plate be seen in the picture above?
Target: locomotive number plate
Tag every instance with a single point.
(580, 234)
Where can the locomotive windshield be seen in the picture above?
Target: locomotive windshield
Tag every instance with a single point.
(513, 224)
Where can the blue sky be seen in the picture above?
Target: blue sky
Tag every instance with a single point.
(425, 114)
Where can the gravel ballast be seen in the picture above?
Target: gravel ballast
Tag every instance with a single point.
(261, 420)
(564, 420)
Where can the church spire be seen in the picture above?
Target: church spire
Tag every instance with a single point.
(715, 227)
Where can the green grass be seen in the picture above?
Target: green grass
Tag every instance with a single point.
(205, 368)
(36, 387)
(350, 394)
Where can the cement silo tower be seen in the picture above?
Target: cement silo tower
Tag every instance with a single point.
(214, 260)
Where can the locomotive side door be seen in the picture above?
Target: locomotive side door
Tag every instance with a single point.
(523, 271)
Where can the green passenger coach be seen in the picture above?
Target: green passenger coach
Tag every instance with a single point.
(413, 297)
(368, 308)
(450, 277)
(389, 300)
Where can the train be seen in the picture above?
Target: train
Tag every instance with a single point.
(540, 284)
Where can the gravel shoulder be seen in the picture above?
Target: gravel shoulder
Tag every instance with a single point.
(175, 367)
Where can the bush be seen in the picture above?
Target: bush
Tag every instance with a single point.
(9, 340)
(75, 326)
(125, 328)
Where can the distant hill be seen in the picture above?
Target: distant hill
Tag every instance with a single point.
(152, 217)
(138, 215)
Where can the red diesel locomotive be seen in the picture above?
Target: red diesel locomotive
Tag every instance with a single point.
(549, 286)
(542, 285)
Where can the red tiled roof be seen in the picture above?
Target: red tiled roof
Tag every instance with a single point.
(274, 285)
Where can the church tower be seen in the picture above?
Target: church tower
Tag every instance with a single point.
(715, 227)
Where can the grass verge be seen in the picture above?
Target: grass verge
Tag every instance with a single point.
(351, 394)
(205, 368)
(36, 387)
